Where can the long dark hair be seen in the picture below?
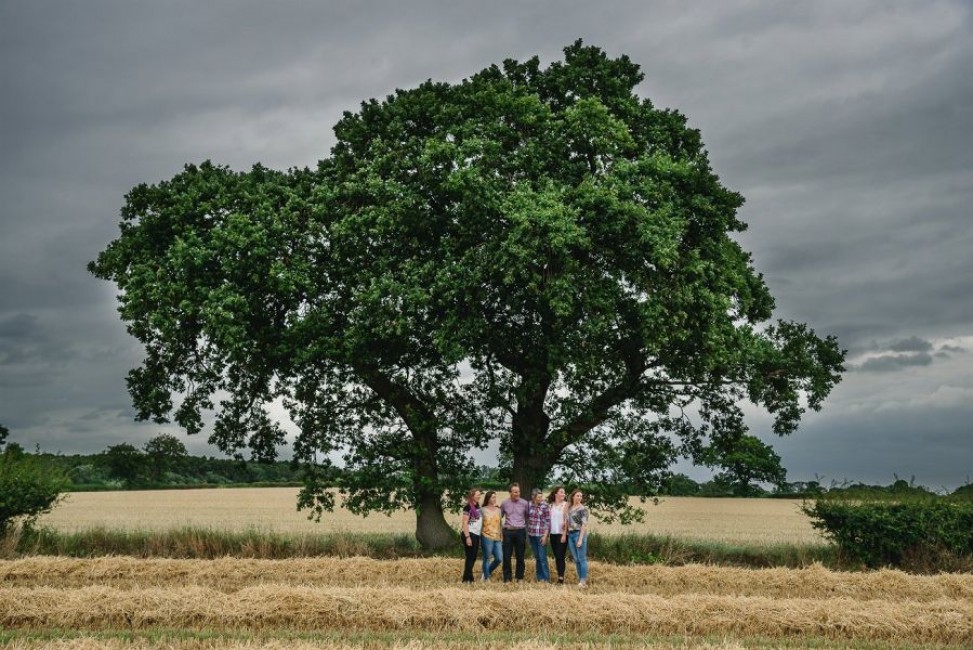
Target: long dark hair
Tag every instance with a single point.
(553, 494)
(487, 497)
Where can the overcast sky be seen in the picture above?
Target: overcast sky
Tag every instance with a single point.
(848, 126)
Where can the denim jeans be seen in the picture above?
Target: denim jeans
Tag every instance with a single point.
(514, 544)
(492, 547)
(580, 555)
(537, 546)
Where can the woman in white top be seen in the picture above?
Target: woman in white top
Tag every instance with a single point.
(559, 529)
(472, 523)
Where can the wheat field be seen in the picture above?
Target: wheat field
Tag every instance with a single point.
(743, 521)
(418, 603)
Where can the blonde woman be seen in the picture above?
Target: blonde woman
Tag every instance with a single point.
(472, 524)
(558, 505)
(491, 535)
(578, 535)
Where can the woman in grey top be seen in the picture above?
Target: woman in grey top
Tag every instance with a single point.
(578, 536)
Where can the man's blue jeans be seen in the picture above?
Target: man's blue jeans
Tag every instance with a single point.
(537, 546)
(492, 547)
(579, 555)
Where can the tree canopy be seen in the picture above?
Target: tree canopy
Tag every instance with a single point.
(535, 257)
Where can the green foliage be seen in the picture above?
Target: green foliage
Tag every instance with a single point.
(164, 453)
(680, 485)
(744, 461)
(204, 543)
(125, 463)
(94, 472)
(28, 488)
(964, 491)
(544, 233)
(201, 543)
(905, 530)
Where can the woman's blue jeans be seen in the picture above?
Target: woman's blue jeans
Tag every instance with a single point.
(492, 547)
(537, 546)
(579, 555)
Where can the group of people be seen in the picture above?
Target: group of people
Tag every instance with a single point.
(504, 531)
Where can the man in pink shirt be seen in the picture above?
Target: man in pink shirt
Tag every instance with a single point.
(514, 513)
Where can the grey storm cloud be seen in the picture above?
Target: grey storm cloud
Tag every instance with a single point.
(846, 126)
(953, 349)
(911, 344)
(893, 362)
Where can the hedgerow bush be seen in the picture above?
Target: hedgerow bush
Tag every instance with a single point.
(28, 488)
(924, 533)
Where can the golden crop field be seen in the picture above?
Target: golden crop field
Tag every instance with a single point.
(418, 603)
(758, 521)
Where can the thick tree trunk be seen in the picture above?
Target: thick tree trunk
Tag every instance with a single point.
(531, 458)
(432, 531)
(530, 471)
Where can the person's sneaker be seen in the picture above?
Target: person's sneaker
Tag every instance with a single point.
(582, 585)
(560, 580)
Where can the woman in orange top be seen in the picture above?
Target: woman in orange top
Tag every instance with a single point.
(491, 535)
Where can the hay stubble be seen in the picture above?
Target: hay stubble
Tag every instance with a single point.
(407, 597)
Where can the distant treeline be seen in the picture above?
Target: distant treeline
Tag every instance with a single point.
(681, 485)
(164, 462)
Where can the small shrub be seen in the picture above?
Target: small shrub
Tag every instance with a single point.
(29, 487)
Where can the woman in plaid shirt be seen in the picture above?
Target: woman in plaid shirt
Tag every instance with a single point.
(538, 528)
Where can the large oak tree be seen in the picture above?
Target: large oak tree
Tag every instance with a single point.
(535, 256)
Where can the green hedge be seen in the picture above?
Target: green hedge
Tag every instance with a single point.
(28, 488)
(916, 533)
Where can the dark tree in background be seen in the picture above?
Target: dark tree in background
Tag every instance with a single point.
(164, 453)
(534, 256)
(745, 463)
(125, 463)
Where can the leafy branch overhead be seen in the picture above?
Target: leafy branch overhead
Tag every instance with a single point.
(532, 256)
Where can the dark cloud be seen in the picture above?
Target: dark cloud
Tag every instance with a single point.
(893, 362)
(847, 126)
(874, 446)
(911, 344)
(955, 349)
(17, 327)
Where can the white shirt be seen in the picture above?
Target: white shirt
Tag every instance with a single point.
(557, 519)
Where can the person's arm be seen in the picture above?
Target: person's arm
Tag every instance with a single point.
(546, 519)
(584, 527)
(564, 522)
(466, 528)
